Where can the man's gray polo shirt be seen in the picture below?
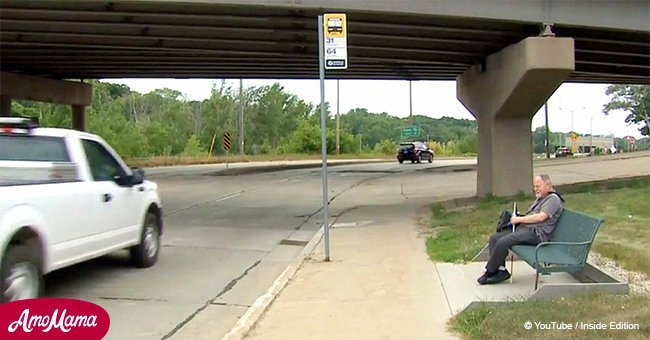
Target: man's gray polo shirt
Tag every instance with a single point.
(552, 206)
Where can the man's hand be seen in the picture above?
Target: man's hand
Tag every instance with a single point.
(516, 219)
(529, 219)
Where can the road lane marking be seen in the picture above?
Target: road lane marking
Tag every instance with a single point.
(344, 225)
(227, 197)
(191, 206)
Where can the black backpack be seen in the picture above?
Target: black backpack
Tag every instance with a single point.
(504, 221)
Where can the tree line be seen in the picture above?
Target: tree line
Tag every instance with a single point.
(164, 123)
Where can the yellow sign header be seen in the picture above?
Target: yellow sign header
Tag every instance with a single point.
(335, 25)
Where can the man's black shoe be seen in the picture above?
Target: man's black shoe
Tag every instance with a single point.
(483, 279)
(500, 276)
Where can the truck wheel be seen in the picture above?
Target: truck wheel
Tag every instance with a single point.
(146, 253)
(21, 274)
(430, 158)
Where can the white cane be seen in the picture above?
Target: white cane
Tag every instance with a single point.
(512, 255)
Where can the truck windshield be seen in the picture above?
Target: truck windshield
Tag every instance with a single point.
(32, 148)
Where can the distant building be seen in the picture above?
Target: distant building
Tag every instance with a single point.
(583, 143)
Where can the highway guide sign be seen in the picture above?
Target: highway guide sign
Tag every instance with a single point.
(410, 131)
(336, 45)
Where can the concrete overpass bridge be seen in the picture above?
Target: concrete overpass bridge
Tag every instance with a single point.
(507, 57)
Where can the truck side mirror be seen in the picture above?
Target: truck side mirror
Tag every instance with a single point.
(130, 180)
(138, 176)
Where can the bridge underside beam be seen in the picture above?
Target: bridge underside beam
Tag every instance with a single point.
(503, 94)
(17, 86)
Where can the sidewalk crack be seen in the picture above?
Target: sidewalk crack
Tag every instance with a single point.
(444, 290)
(230, 304)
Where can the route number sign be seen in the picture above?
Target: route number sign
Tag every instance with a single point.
(336, 45)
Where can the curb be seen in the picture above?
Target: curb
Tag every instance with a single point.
(450, 168)
(255, 312)
(566, 188)
(281, 167)
(256, 169)
(542, 162)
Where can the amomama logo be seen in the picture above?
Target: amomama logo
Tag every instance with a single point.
(50, 318)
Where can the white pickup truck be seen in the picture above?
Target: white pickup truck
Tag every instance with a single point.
(66, 197)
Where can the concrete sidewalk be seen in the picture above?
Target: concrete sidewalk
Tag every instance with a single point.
(380, 284)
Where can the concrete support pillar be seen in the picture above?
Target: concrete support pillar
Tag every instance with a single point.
(5, 106)
(505, 163)
(79, 117)
(504, 94)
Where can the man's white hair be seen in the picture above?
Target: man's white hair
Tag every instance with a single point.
(546, 179)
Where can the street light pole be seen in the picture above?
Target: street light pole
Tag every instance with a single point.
(573, 141)
(548, 146)
(241, 119)
(591, 136)
(410, 103)
(338, 120)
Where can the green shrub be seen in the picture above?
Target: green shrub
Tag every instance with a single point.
(193, 148)
(386, 147)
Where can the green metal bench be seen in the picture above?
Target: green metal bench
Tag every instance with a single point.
(568, 247)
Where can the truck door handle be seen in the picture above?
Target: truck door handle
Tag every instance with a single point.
(107, 197)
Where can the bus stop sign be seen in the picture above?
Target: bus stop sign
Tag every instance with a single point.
(336, 46)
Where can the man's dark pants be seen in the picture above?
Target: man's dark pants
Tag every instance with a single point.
(501, 242)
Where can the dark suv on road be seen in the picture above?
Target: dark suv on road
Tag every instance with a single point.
(563, 152)
(414, 152)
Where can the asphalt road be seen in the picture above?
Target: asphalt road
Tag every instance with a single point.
(228, 237)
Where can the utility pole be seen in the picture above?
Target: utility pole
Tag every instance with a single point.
(591, 136)
(338, 120)
(241, 118)
(573, 142)
(360, 144)
(410, 103)
(548, 144)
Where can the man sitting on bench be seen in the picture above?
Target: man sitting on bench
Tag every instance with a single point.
(533, 228)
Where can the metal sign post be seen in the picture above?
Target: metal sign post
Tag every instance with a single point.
(227, 144)
(574, 138)
(332, 54)
(323, 138)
